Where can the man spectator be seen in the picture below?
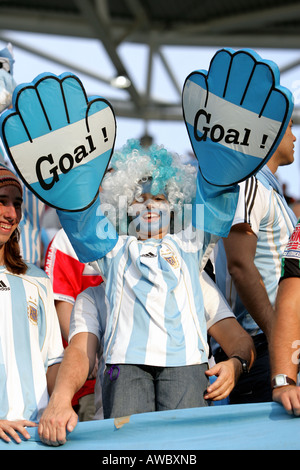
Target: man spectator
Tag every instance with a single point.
(284, 341)
(70, 277)
(253, 250)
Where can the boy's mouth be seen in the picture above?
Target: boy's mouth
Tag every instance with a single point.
(149, 216)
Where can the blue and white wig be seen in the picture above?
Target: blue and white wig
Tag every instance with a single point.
(164, 173)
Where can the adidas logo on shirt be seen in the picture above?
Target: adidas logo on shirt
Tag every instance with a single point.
(149, 255)
(3, 286)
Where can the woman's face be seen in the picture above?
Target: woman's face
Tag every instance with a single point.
(150, 216)
(10, 211)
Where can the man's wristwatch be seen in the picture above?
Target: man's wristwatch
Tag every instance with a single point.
(245, 364)
(281, 380)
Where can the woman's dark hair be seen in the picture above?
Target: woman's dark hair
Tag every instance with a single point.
(12, 257)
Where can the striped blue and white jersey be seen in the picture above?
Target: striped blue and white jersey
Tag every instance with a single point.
(156, 312)
(30, 342)
(262, 208)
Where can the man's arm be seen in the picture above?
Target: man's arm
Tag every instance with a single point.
(64, 310)
(240, 247)
(234, 341)
(285, 342)
(51, 377)
(78, 362)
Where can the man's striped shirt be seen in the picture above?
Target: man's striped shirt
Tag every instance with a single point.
(261, 207)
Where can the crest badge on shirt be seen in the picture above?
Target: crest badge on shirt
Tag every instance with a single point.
(32, 313)
(170, 257)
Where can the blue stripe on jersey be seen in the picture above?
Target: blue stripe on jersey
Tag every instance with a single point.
(22, 351)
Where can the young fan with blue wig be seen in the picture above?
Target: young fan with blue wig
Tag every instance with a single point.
(155, 341)
(156, 173)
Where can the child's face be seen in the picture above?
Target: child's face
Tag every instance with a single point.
(150, 216)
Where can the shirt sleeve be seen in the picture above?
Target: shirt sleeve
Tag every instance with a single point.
(290, 263)
(89, 313)
(251, 204)
(65, 273)
(215, 306)
(68, 275)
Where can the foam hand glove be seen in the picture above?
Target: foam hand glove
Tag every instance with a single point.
(235, 114)
(59, 141)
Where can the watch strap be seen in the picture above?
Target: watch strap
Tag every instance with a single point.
(245, 364)
(285, 380)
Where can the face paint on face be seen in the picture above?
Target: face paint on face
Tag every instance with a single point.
(151, 218)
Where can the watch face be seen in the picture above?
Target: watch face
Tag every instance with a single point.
(280, 380)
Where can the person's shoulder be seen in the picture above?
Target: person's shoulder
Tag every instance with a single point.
(254, 189)
(93, 291)
(254, 181)
(35, 271)
(62, 243)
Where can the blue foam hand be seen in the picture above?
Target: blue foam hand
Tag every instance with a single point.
(236, 115)
(59, 140)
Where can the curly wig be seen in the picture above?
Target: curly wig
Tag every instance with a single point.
(132, 166)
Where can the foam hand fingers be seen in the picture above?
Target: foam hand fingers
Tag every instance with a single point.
(59, 141)
(235, 114)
